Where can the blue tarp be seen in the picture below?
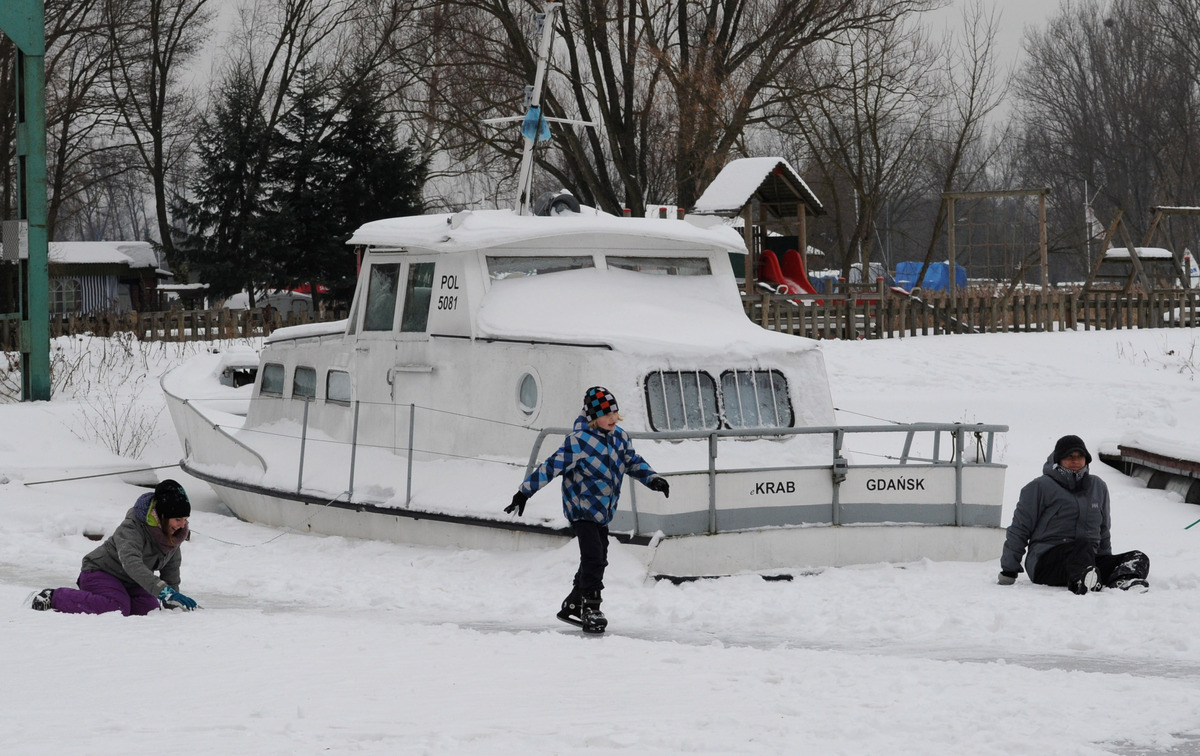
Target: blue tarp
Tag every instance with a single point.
(937, 278)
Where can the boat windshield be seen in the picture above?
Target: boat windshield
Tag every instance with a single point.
(663, 266)
(515, 267)
(693, 400)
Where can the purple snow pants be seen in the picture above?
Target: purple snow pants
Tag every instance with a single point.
(100, 592)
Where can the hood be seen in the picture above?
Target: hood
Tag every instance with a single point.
(1072, 481)
(141, 514)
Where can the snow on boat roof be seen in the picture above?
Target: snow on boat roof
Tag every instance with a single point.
(637, 313)
(481, 229)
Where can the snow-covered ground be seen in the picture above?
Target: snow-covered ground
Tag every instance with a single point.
(311, 645)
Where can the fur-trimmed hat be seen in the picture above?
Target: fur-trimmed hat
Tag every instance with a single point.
(171, 501)
(1068, 444)
(597, 402)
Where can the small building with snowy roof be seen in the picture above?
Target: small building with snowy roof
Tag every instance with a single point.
(105, 276)
(767, 193)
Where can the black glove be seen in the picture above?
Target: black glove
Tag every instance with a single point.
(1007, 578)
(518, 504)
(660, 485)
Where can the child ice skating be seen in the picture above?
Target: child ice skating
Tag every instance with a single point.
(118, 576)
(593, 461)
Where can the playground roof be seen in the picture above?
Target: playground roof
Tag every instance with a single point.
(770, 180)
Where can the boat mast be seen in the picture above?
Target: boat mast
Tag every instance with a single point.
(531, 131)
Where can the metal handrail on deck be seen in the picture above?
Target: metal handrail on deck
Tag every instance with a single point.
(839, 466)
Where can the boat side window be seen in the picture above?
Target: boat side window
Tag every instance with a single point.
(337, 387)
(416, 298)
(272, 379)
(304, 383)
(756, 399)
(527, 393)
(682, 400)
(500, 268)
(381, 297)
(663, 266)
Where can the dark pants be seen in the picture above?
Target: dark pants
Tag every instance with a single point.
(100, 593)
(1065, 564)
(593, 556)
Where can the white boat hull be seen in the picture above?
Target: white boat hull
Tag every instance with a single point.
(768, 550)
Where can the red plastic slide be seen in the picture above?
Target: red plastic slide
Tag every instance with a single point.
(794, 270)
(784, 284)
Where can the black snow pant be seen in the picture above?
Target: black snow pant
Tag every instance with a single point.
(593, 556)
(1065, 564)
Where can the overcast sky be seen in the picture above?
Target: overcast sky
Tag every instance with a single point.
(1015, 15)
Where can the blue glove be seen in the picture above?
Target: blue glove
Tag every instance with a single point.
(173, 599)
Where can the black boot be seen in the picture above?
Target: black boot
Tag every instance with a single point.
(572, 608)
(1131, 572)
(593, 619)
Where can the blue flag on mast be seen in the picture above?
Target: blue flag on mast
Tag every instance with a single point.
(534, 127)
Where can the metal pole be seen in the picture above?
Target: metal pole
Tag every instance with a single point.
(712, 483)
(836, 515)
(950, 256)
(303, 442)
(24, 22)
(412, 414)
(958, 474)
(1042, 247)
(525, 174)
(353, 450)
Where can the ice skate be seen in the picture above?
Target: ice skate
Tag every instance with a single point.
(1133, 585)
(41, 602)
(572, 609)
(1088, 581)
(594, 620)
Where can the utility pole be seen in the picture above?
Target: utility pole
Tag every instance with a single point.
(24, 22)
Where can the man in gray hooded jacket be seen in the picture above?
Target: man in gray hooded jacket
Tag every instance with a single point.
(1062, 518)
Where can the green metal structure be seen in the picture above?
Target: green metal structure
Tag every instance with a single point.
(24, 22)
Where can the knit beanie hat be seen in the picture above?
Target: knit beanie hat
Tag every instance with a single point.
(1068, 444)
(171, 501)
(598, 402)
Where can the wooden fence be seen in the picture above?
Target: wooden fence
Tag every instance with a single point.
(881, 314)
(176, 325)
(870, 314)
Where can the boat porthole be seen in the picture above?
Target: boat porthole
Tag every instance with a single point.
(528, 393)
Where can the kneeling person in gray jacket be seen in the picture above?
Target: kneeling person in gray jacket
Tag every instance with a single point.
(1062, 518)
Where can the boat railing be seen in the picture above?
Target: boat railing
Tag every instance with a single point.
(835, 479)
(840, 466)
(223, 431)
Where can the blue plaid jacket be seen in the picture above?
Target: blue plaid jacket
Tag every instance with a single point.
(592, 464)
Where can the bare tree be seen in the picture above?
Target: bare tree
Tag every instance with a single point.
(1108, 99)
(78, 112)
(885, 120)
(150, 42)
(962, 155)
(671, 84)
(867, 125)
(79, 117)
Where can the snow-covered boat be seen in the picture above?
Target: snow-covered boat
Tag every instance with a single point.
(471, 339)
